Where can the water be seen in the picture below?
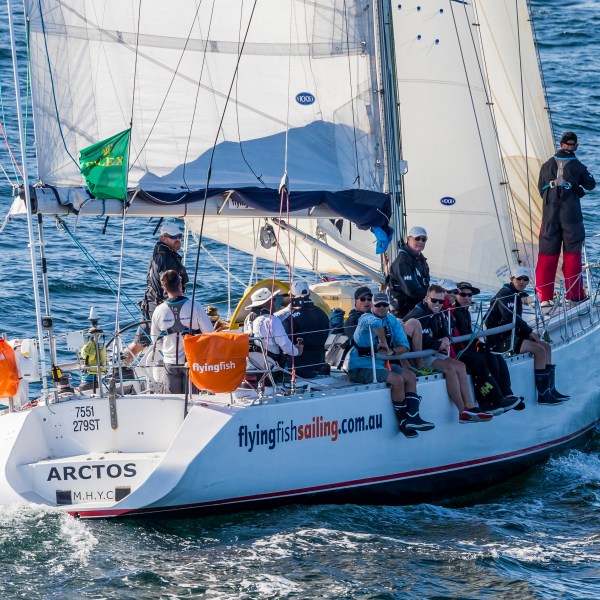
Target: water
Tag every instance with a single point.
(537, 537)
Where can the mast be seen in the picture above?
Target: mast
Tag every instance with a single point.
(32, 242)
(393, 165)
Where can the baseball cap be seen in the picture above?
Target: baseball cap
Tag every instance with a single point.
(380, 298)
(300, 288)
(361, 291)
(170, 228)
(417, 231)
(520, 272)
(449, 285)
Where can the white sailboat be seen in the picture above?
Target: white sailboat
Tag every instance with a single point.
(225, 100)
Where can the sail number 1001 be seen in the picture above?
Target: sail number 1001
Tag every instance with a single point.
(84, 421)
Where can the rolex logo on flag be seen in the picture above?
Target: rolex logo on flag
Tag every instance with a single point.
(104, 166)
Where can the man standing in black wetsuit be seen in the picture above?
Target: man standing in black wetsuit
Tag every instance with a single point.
(165, 257)
(563, 181)
(304, 321)
(409, 273)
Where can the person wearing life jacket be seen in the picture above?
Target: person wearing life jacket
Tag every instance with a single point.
(361, 364)
(482, 365)
(165, 257)
(301, 319)
(408, 280)
(503, 305)
(170, 321)
(562, 183)
(435, 336)
(267, 330)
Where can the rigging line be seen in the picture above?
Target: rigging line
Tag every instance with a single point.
(487, 168)
(135, 64)
(357, 180)
(524, 123)
(61, 224)
(540, 65)
(483, 70)
(175, 72)
(7, 177)
(62, 137)
(15, 164)
(237, 110)
(212, 155)
(204, 57)
(120, 280)
(287, 115)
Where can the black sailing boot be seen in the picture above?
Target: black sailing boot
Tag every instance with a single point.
(413, 418)
(542, 383)
(552, 370)
(400, 411)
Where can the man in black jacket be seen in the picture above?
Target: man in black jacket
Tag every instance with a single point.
(503, 307)
(309, 325)
(562, 182)
(165, 257)
(409, 273)
(434, 326)
(491, 378)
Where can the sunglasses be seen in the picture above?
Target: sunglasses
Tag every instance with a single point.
(465, 294)
(421, 238)
(175, 237)
(380, 304)
(522, 278)
(436, 301)
(366, 298)
(452, 292)
(570, 143)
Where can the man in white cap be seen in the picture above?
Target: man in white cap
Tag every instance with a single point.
(408, 280)
(165, 257)
(267, 329)
(502, 308)
(306, 322)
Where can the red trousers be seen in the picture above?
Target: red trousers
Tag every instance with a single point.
(545, 273)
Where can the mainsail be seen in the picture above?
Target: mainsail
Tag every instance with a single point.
(472, 108)
(246, 91)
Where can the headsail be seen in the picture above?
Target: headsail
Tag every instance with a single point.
(460, 119)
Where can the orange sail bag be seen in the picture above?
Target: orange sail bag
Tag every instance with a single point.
(9, 373)
(217, 361)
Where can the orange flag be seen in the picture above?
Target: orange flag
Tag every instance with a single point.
(217, 360)
(9, 373)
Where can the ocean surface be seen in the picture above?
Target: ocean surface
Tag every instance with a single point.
(536, 537)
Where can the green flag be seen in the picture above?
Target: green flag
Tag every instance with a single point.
(104, 166)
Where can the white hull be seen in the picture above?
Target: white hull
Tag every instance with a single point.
(68, 455)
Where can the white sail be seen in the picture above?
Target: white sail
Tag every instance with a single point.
(455, 186)
(520, 110)
(304, 91)
(295, 250)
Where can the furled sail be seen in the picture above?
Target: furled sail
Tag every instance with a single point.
(459, 120)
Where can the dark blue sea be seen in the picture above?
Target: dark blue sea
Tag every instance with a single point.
(536, 537)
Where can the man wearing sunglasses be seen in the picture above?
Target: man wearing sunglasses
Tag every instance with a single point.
(435, 336)
(165, 257)
(504, 304)
(562, 182)
(409, 273)
(490, 375)
(403, 382)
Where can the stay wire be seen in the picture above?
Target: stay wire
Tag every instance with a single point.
(52, 85)
(357, 179)
(166, 95)
(487, 168)
(488, 87)
(212, 155)
(204, 55)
